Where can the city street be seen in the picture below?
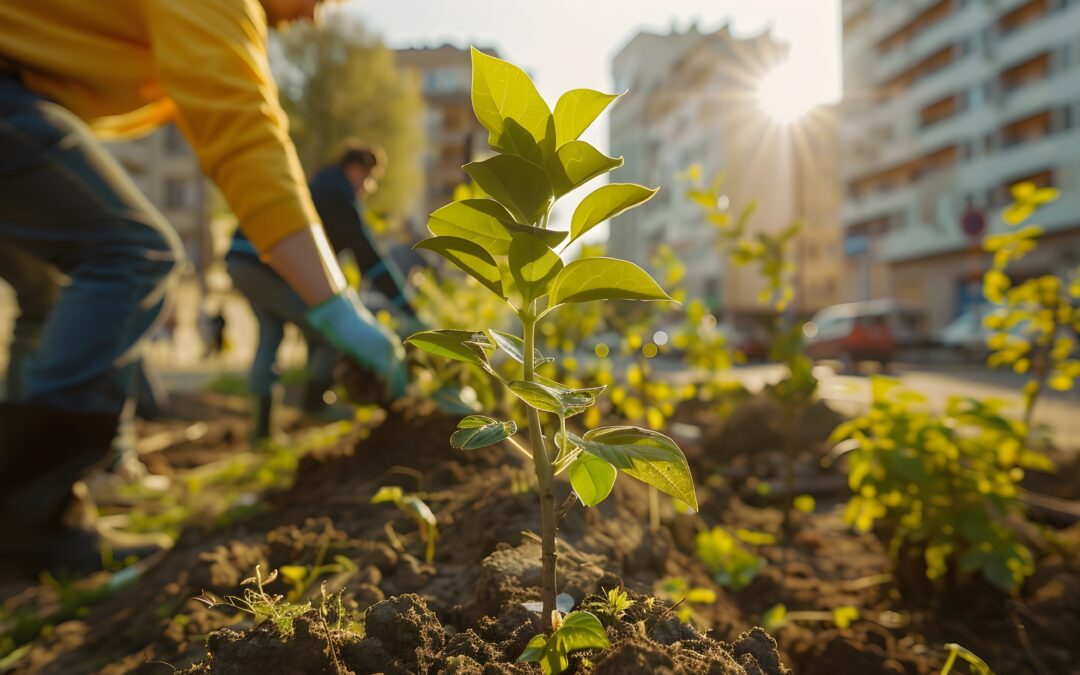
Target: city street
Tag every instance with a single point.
(851, 393)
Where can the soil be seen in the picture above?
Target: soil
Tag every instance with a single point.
(463, 612)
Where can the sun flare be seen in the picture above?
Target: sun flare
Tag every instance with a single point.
(786, 95)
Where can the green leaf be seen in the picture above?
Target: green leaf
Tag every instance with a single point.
(606, 201)
(518, 184)
(774, 618)
(506, 102)
(458, 345)
(576, 110)
(486, 223)
(550, 237)
(419, 510)
(514, 347)
(555, 398)
(533, 265)
(579, 630)
(534, 651)
(481, 221)
(648, 456)
(293, 574)
(576, 163)
(592, 479)
(588, 279)
(844, 616)
(470, 257)
(388, 493)
(479, 431)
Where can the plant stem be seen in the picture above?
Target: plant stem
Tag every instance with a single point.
(544, 476)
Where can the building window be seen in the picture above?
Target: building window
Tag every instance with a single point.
(1024, 73)
(1000, 196)
(1030, 128)
(1026, 13)
(912, 29)
(942, 109)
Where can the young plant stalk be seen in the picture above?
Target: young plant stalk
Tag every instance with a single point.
(545, 477)
(503, 240)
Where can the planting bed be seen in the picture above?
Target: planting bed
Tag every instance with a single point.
(463, 612)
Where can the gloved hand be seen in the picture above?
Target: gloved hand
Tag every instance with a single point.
(351, 328)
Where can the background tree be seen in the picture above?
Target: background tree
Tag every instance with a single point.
(339, 81)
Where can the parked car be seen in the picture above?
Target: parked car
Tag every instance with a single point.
(862, 331)
(966, 335)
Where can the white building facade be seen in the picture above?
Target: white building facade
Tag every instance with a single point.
(947, 103)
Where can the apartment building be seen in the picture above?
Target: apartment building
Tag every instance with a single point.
(946, 104)
(454, 136)
(693, 100)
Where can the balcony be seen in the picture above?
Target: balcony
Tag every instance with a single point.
(875, 205)
(1046, 33)
(1055, 90)
(958, 25)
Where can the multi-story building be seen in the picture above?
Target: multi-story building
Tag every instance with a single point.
(693, 99)
(166, 171)
(454, 136)
(947, 103)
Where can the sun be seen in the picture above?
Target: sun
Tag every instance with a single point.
(786, 95)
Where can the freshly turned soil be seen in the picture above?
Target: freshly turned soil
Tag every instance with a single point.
(463, 612)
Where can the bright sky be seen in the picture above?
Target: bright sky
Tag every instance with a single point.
(567, 44)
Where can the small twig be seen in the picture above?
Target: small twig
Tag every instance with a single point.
(565, 507)
(1025, 643)
(339, 668)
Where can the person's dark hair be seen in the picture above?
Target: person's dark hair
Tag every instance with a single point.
(363, 154)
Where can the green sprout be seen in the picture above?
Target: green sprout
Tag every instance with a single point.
(778, 616)
(978, 666)
(261, 605)
(614, 604)
(730, 563)
(416, 509)
(685, 598)
(505, 242)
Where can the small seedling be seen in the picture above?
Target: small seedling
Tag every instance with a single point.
(778, 616)
(614, 605)
(419, 511)
(729, 562)
(505, 243)
(301, 577)
(978, 666)
(261, 605)
(684, 598)
(578, 630)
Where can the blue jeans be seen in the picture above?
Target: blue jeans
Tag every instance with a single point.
(65, 202)
(275, 304)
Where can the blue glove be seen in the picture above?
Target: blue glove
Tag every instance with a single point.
(350, 327)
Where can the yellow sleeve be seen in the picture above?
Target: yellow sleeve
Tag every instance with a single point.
(212, 61)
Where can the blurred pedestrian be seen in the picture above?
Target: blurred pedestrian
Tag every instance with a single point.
(338, 192)
(72, 72)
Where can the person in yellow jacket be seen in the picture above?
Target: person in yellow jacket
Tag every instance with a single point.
(73, 72)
